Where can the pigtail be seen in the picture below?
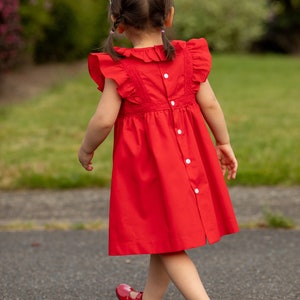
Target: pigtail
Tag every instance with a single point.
(108, 45)
(170, 51)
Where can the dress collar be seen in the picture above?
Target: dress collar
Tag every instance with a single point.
(149, 54)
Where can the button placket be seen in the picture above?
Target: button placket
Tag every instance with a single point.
(191, 163)
(180, 136)
(182, 144)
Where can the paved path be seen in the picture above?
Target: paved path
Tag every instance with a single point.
(253, 264)
(256, 265)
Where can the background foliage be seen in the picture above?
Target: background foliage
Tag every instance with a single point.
(35, 16)
(65, 30)
(282, 27)
(229, 26)
(10, 33)
(62, 30)
(76, 29)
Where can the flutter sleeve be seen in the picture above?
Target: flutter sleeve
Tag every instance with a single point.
(102, 66)
(201, 61)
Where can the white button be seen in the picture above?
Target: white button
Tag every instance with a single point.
(197, 191)
(188, 161)
(173, 103)
(179, 131)
(166, 75)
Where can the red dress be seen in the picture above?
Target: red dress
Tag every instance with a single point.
(168, 193)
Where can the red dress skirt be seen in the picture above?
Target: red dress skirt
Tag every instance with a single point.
(167, 193)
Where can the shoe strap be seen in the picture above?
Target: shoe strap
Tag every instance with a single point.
(139, 296)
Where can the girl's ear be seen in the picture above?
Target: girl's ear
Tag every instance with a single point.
(170, 16)
(121, 29)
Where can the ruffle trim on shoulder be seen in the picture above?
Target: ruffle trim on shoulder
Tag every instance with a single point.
(201, 61)
(102, 66)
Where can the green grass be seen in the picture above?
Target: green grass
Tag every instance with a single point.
(260, 98)
(40, 139)
(278, 220)
(55, 226)
(259, 95)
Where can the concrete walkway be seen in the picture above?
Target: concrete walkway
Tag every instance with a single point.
(253, 264)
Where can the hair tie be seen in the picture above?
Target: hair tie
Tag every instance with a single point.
(163, 31)
(112, 32)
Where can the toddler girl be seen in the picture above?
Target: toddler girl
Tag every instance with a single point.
(167, 192)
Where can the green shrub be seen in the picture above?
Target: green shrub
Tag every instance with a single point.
(278, 220)
(35, 17)
(283, 28)
(227, 25)
(63, 30)
(74, 31)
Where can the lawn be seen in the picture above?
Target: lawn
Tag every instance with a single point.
(260, 98)
(259, 95)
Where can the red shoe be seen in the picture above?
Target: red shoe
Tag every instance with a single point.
(123, 292)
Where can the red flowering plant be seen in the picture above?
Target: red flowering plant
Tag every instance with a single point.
(10, 33)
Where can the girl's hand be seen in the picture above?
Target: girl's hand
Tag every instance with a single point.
(85, 159)
(227, 160)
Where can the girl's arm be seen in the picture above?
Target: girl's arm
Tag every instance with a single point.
(214, 117)
(100, 124)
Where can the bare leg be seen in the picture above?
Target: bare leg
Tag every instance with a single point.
(158, 279)
(184, 275)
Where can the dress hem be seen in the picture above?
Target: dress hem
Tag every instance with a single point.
(198, 245)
